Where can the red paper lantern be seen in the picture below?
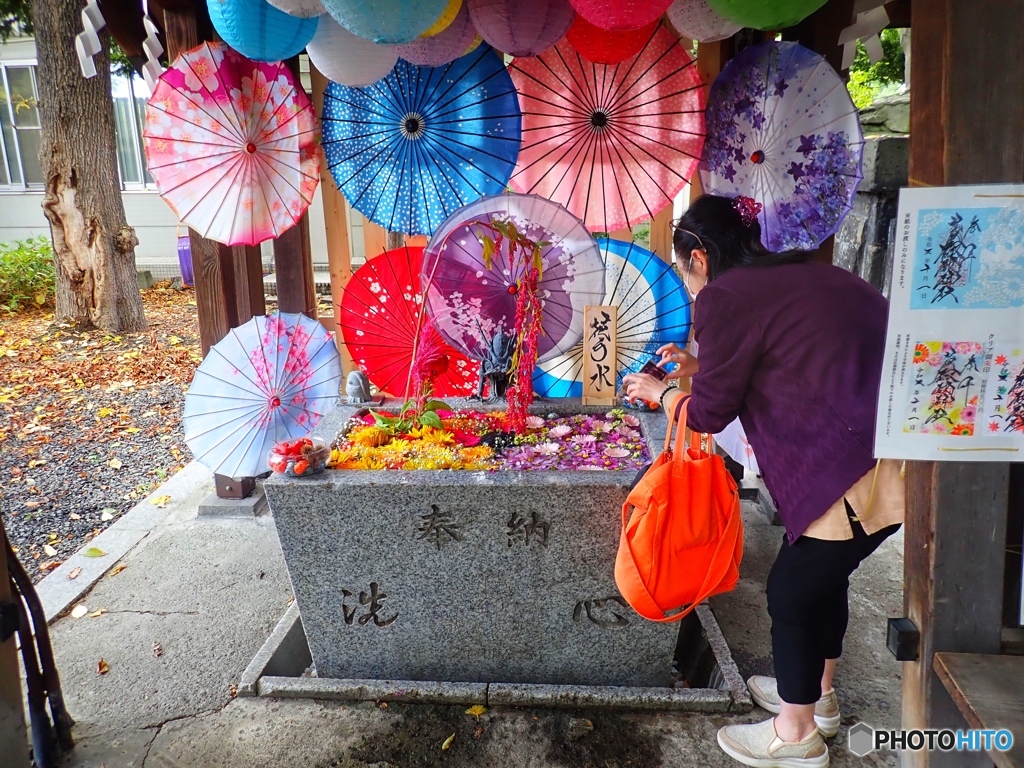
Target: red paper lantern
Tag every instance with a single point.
(620, 15)
(602, 46)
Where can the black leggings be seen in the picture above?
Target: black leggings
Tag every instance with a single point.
(807, 601)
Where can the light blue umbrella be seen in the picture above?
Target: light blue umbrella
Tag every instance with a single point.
(653, 310)
(269, 380)
(411, 149)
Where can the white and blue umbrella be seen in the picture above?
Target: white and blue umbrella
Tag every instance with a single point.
(653, 310)
(414, 147)
(269, 380)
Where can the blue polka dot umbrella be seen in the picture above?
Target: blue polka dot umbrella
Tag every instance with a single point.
(411, 149)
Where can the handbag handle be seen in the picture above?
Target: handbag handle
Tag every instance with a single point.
(679, 418)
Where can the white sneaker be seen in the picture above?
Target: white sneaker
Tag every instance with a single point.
(765, 692)
(759, 746)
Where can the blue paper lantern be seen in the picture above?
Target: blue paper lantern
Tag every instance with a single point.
(260, 31)
(397, 21)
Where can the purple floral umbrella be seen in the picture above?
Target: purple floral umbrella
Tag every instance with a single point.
(474, 305)
(783, 130)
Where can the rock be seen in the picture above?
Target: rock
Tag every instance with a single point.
(891, 113)
(145, 279)
(578, 728)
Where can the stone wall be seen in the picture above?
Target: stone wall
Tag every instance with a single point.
(862, 242)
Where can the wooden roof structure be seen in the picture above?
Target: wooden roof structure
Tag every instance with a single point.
(967, 127)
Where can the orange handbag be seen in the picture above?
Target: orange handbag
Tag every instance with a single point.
(682, 534)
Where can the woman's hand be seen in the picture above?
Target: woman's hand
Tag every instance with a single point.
(643, 386)
(686, 364)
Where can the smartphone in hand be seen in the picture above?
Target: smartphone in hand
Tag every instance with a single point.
(651, 367)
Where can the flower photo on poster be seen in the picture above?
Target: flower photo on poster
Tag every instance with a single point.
(946, 387)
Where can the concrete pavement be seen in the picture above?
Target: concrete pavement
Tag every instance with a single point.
(198, 596)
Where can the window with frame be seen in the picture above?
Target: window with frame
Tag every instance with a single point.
(20, 129)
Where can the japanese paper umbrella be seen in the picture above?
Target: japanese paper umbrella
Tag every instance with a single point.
(380, 314)
(412, 148)
(653, 310)
(269, 380)
(613, 144)
(232, 145)
(472, 301)
(783, 130)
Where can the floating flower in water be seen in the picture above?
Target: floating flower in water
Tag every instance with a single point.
(602, 426)
(591, 468)
(547, 449)
(534, 422)
(629, 434)
(631, 420)
(616, 452)
(369, 437)
(560, 431)
(583, 439)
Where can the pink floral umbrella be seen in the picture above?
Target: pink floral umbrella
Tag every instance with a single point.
(232, 144)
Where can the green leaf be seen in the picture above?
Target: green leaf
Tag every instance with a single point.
(488, 254)
(538, 262)
(431, 419)
(437, 405)
(94, 552)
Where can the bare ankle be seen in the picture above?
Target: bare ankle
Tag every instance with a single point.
(794, 731)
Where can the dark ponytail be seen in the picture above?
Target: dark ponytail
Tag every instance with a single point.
(722, 234)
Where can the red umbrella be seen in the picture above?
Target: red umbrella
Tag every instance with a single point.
(613, 144)
(380, 312)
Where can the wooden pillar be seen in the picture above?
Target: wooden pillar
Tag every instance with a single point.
(293, 258)
(711, 58)
(661, 234)
(375, 239)
(339, 249)
(956, 513)
(228, 280)
(14, 740)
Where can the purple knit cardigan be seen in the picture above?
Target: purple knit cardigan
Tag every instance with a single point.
(796, 352)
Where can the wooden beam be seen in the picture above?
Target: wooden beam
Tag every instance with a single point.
(957, 513)
(661, 234)
(14, 738)
(339, 249)
(375, 239)
(293, 259)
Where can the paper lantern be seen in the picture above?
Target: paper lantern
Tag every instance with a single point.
(258, 30)
(444, 47)
(620, 15)
(391, 23)
(765, 14)
(349, 59)
(447, 17)
(602, 46)
(694, 20)
(521, 27)
(304, 9)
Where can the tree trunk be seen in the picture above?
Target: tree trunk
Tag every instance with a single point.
(93, 245)
(395, 240)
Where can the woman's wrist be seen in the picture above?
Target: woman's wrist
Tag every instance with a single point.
(664, 394)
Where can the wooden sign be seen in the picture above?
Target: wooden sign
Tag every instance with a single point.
(599, 354)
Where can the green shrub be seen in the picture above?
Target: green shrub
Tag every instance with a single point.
(868, 81)
(26, 273)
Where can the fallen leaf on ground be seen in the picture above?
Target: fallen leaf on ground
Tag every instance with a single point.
(74, 516)
(74, 573)
(102, 667)
(476, 710)
(447, 742)
(116, 570)
(33, 504)
(97, 613)
(478, 732)
(160, 501)
(93, 552)
(104, 412)
(36, 463)
(174, 341)
(158, 650)
(79, 611)
(107, 514)
(233, 690)
(50, 551)
(115, 464)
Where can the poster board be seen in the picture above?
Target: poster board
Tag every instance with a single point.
(953, 378)
(600, 354)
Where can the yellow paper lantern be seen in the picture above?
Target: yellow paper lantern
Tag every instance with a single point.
(446, 18)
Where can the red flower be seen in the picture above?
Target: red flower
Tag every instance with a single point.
(993, 426)
(1000, 359)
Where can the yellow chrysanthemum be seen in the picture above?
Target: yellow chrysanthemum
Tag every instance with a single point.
(398, 446)
(341, 456)
(369, 462)
(437, 436)
(369, 437)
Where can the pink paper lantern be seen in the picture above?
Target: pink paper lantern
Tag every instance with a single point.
(444, 47)
(521, 27)
(621, 15)
(695, 20)
(602, 46)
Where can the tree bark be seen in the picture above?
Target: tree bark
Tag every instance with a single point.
(395, 240)
(93, 245)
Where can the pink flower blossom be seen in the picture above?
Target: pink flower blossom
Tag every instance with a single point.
(560, 431)
(583, 439)
(616, 453)
(547, 449)
(631, 420)
(534, 422)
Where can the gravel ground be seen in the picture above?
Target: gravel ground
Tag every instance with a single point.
(90, 423)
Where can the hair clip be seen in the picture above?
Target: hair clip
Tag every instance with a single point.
(747, 208)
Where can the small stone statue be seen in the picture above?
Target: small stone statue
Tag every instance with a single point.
(357, 387)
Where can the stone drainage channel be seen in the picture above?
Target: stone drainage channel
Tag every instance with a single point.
(708, 679)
